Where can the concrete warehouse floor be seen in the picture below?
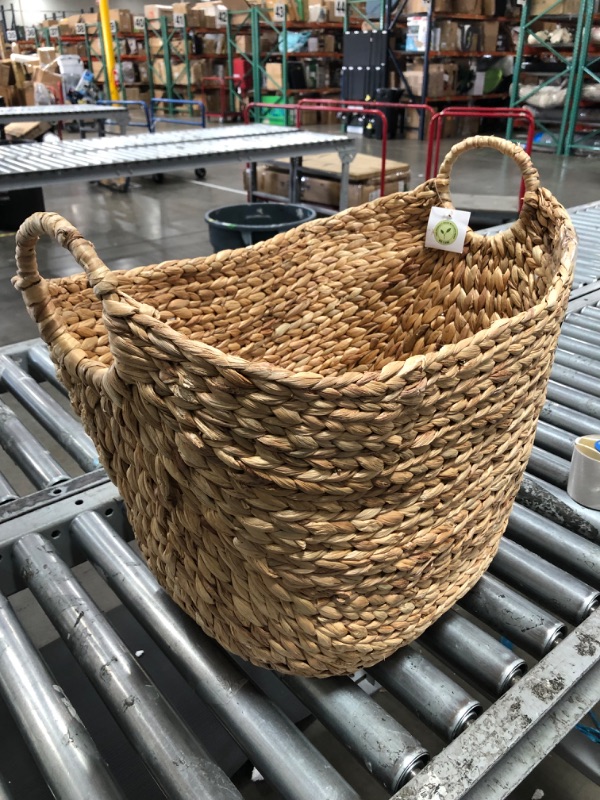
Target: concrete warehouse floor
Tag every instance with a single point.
(154, 223)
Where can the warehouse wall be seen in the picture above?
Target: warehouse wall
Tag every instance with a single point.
(32, 11)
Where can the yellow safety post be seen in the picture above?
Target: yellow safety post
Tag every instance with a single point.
(109, 51)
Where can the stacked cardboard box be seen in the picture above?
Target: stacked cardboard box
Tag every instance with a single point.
(320, 184)
(478, 7)
(67, 25)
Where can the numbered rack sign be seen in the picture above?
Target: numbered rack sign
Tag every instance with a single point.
(30, 34)
(339, 8)
(11, 36)
(179, 20)
(138, 23)
(113, 26)
(54, 32)
(221, 20)
(80, 28)
(279, 12)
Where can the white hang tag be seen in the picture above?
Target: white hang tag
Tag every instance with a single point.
(446, 229)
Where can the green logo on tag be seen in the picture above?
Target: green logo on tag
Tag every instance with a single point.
(445, 232)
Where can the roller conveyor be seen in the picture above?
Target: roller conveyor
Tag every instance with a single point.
(67, 112)
(500, 680)
(41, 163)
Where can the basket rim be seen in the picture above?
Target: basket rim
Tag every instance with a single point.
(350, 383)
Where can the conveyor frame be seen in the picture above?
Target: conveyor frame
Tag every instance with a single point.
(36, 163)
(67, 112)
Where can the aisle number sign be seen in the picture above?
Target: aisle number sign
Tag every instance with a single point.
(339, 8)
(222, 18)
(80, 28)
(54, 32)
(113, 26)
(179, 20)
(30, 33)
(138, 23)
(279, 12)
(11, 36)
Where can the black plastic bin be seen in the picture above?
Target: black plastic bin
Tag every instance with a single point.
(394, 116)
(239, 226)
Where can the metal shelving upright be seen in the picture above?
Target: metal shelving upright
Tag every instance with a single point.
(587, 68)
(390, 17)
(574, 65)
(256, 19)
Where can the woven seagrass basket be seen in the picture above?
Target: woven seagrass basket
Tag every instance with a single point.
(318, 438)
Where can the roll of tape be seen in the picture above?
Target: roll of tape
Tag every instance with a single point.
(584, 475)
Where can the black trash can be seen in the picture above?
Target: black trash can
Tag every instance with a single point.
(239, 226)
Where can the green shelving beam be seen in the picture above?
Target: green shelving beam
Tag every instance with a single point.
(255, 20)
(575, 141)
(573, 70)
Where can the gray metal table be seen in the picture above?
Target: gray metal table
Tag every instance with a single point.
(66, 112)
(501, 679)
(38, 164)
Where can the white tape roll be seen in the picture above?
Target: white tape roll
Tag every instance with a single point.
(584, 476)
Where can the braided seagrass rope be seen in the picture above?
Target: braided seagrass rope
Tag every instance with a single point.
(318, 438)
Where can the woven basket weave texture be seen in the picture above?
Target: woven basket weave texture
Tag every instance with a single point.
(318, 438)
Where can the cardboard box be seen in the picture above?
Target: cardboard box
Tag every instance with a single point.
(270, 6)
(49, 77)
(91, 22)
(123, 18)
(66, 26)
(489, 36)
(98, 71)
(422, 6)
(414, 78)
(159, 74)
(235, 5)
(156, 46)
(449, 35)
(488, 7)
(467, 6)
(26, 131)
(321, 186)
(334, 11)
(75, 49)
(156, 11)
(215, 14)
(450, 78)
(7, 76)
(273, 77)
(329, 43)
(268, 41)
(179, 46)
(324, 191)
(214, 43)
(566, 7)
(137, 93)
(46, 55)
(27, 94)
(9, 94)
(411, 124)
(243, 44)
(194, 17)
(317, 12)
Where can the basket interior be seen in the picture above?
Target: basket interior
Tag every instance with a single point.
(350, 293)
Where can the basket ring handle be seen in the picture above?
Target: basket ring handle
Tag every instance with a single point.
(35, 289)
(531, 177)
